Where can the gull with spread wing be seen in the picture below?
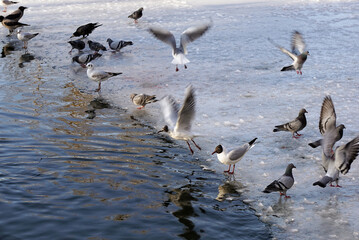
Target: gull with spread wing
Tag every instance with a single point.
(187, 36)
(180, 120)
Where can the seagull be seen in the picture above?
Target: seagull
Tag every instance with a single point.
(180, 120)
(327, 127)
(340, 162)
(232, 156)
(98, 75)
(96, 46)
(136, 14)
(85, 58)
(283, 184)
(11, 25)
(7, 3)
(294, 126)
(77, 44)
(298, 54)
(118, 45)
(17, 14)
(85, 30)
(25, 36)
(142, 99)
(187, 36)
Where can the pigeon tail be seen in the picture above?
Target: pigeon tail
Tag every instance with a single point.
(323, 182)
(315, 144)
(279, 128)
(180, 59)
(288, 68)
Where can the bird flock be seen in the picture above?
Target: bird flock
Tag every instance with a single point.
(179, 119)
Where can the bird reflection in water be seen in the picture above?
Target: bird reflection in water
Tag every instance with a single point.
(229, 190)
(7, 49)
(25, 58)
(96, 103)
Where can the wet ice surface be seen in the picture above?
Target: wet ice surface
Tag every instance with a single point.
(241, 93)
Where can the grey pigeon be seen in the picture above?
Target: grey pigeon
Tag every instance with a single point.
(85, 30)
(180, 119)
(77, 44)
(7, 3)
(11, 25)
(142, 99)
(294, 126)
(96, 46)
(187, 36)
(17, 14)
(299, 57)
(118, 45)
(232, 156)
(283, 184)
(339, 162)
(85, 58)
(327, 127)
(136, 14)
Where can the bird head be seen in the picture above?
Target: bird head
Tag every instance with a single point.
(133, 95)
(90, 65)
(109, 40)
(22, 8)
(291, 166)
(307, 53)
(218, 149)
(1, 18)
(302, 111)
(164, 129)
(18, 31)
(341, 126)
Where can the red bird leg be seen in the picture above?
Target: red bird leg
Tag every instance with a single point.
(176, 68)
(185, 66)
(300, 72)
(99, 87)
(298, 134)
(196, 144)
(234, 166)
(281, 194)
(297, 72)
(228, 168)
(140, 107)
(189, 147)
(294, 136)
(286, 196)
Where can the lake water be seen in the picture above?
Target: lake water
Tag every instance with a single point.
(77, 164)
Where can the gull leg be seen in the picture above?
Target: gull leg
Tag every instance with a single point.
(189, 147)
(297, 72)
(234, 166)
(176, 68)
(196, 144)
(228, 168)
(296, 137)
(140, 107)
(99, 87)
(286, 196)
(300, 72)
(185, 66)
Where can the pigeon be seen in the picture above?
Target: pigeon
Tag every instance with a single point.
(96, 46)
(180, 120)
(232, 156)
(85, 30)
(85, 58)
(7, 3)
(294, 126)
(187, 36)
(142, 99)
(25, 36)
(136, 14)
(283, 184)
(98, 75)
(11, 25)
(77, 44)
(17, 14)
(298, 54)
(118, 45)
(327, 127)
(340, 162)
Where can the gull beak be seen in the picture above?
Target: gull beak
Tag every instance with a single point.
(214, 152)
(160, 131)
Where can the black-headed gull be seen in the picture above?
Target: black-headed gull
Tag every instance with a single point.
(283, 184)
(7, 3)
(142, 99)
(17, 14)
(136, 14)
(85, 30)
(187, 36)
(232, 156)
(180, 120)
(25, 36)
(98, 75)
(118, 45)
(294, 126)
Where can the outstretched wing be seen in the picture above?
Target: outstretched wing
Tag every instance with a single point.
(187, 111)
(164, 36)
(327, 120)
(169, 110)
(192, 34)
(298, 42)
(346, 154)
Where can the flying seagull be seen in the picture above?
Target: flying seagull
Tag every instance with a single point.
(283, 184)
(7, 3)
(298, 54)
(294, 126)
(85, 30)
(180, 120)
(340, 162)
(136, 14)
(142, 99)
(98, 75)
(232, 156)
(187, 36)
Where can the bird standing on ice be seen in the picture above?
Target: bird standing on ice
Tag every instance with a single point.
(180, 120)
(142, 99)
(187, 36)
(25, 36)
(136, 14)
(283, 184)
(231, 157)
(7, 3)
(98, 75)
(294, 126)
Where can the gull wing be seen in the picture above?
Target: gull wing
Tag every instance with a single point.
(192, 34)
(327, 120)
(187, 111)
(298, 42)
(170, 110)
(238, 152)
(164, 36)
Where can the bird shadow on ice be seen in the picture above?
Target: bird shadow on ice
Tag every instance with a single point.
(25, 58)
(95, 104)
(230, 190)
(283, 208)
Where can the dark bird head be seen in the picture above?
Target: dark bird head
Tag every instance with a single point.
(218, 149)
(164, 129)
(21, 8)
(140, 9)
(1, 18)
(288, 171)
(109, 40)
(341, 127)
(307, 53)
(302, 111)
